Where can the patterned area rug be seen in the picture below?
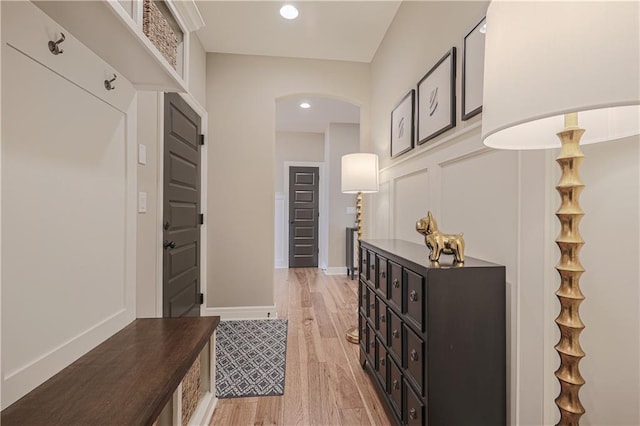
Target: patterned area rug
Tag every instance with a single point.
(250, 358)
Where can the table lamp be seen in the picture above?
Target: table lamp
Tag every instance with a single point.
(359, 176)
(549, 62)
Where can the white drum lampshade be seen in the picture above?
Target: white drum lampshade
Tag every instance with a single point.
(545, 59)
(359, 173)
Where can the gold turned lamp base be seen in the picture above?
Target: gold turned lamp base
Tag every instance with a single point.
(353, 334)
(570, 242)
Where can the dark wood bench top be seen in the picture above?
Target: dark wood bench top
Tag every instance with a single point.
(126, 380)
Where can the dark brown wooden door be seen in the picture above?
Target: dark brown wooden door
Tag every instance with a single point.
(303, 217)
(181, 242)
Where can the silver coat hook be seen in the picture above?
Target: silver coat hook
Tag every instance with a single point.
(108, 85)
(53, 45)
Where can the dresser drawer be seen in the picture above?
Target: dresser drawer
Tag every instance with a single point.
(414, 411)
(371, 342)
(371, 272)
(415, 294)
(414, 358)
(381, 363)
(395, 284)
(381, 281)
(395, 386)
(395, 334)
(362, 333)
(371, 303)
(363, 266)
(364, 297)
(381, 318)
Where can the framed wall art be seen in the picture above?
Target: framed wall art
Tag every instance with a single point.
(437, 98)
(402, 125)
(473, 70)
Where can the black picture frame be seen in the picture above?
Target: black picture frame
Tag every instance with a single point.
(473, 70)
(402, 127)
(436, 113)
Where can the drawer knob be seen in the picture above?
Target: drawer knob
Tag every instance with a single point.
(395, 333)
(413, 296)
(383, 274)
(373, 267)
(414, 355)
(396, 283)
(372, 344)
(382, 362)
(373, 305)
(396, 384)
(382, 318)
(413, 414)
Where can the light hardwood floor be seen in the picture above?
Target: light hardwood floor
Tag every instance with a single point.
(325, 384)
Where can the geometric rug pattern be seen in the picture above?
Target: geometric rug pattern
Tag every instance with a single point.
(251, 356)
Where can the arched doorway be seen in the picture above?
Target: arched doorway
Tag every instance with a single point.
(312, 138)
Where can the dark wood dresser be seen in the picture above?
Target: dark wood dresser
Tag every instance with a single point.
(433, 336)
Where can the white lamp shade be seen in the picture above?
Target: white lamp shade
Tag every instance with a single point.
(544, 59)
(359, 173)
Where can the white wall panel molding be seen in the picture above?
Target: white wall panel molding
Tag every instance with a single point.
(466, 156)
(453, 138)
(411, 200)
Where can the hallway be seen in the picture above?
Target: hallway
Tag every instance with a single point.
(325, 384)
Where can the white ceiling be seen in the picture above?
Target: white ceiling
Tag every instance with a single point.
(291, 118)
(334, 30)
(340, 30)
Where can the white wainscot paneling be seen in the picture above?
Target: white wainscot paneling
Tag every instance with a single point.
(379, 212)
(279, 230)
(411, 202)
(611, 311)
(480, 199)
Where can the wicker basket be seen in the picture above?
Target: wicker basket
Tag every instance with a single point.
(158, 30)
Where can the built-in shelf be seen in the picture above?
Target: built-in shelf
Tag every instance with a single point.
(108, 29)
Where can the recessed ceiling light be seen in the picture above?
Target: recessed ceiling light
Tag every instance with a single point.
(305, 105)
(289, 11)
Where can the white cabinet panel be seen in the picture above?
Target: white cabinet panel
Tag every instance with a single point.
(68, 200)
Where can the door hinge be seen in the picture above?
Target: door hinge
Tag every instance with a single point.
(201, 139)
(201, 298)
(201, 219)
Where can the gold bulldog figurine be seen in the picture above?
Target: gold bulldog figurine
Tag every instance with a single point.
(438, 242)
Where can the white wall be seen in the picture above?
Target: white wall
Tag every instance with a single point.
(148, 275)
(296, 146)
(241, 97)
(504, 202)
(340, 139)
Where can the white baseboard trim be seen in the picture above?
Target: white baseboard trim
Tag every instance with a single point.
(204, 411)
(281, 265)
(242, 312)
(336, 270)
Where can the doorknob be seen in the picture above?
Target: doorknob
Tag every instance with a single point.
(169, 244)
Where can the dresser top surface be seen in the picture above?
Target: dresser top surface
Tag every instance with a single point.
(419, 254)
